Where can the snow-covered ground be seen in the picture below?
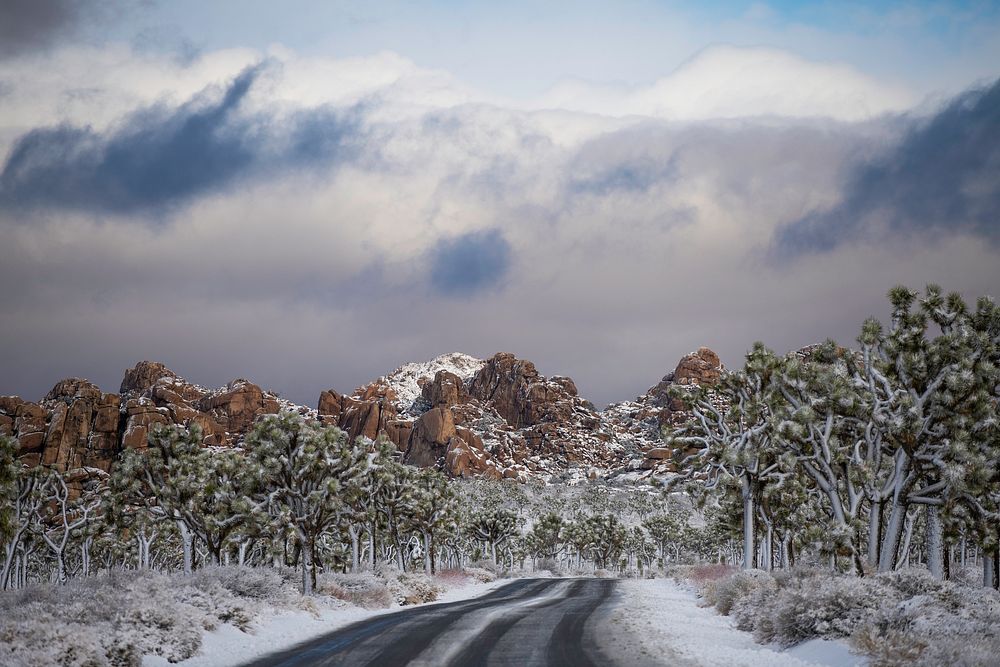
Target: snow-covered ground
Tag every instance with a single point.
(281, 629)
(659, 622)
(653, 622)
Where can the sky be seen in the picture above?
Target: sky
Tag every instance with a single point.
(309, 194)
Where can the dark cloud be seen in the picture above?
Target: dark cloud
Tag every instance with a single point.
(469, 263)
(26, 25)
(159, 157)
(637, 174)
(943, 176)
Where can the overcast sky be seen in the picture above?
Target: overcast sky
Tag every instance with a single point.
(309, 194)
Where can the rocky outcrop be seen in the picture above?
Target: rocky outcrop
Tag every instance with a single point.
(445, 389)
(519, 394)
(76, 425)
(471, 418)
(435, 440)
(369, 413)
(238, 405)
(658, 409)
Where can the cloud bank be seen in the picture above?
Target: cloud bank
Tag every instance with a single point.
(942, 177)
(312, 223)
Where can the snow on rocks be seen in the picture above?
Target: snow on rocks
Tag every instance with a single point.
(406, 380)
(659, 622)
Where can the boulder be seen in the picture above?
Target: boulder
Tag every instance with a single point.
(431, 435)
(238, 405)
(371, 412)
(141, 415)
(81, 427)
(446, 389)
(519, 394)
(142, 376)
(702, 368)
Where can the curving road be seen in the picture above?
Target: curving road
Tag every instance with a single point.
(527, 622)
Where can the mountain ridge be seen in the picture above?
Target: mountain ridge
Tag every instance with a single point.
(493, 418)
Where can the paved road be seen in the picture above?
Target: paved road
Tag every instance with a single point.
(527, 622)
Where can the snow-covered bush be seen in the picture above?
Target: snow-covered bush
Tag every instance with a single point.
(364, 589)
(452, 577)
(549, 565)
(485, 564)
(897, 618)
(724, 593)
(934, 622)
(481, 575)
(815, 605)
(115, 619)
(411, 587)
(257, 583)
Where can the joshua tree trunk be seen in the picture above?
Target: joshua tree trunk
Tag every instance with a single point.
(187, 540)
(935, 543)
(748, 525)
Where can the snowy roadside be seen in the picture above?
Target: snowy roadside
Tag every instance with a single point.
(278, 629)
(659, 622)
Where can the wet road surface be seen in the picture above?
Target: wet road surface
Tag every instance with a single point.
(527, 622)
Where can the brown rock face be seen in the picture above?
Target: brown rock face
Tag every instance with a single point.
(76, 425)
(238, 406)
(445, 389)
(698, 369)
(519, 394)
(498, 418)
(435, 439)
(702, 368)
(369, 413)
(143, 376)
(430, 437)
(141, 415)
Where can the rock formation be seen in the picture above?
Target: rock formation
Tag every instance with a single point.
(498, 418)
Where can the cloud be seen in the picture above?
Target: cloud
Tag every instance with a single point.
(376, 218)
(160, 157)
(942, 176)
(26, 25)
(470, 263)
(739, 82)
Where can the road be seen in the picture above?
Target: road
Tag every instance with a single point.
(527, 622)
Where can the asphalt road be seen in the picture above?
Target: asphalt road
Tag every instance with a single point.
(527, 622)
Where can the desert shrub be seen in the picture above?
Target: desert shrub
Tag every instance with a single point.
(888, 649)
(701, 574)
(41, 642)
(816, 606)
(944, 623)
(452, 577)
(726, 592)
(549, 565)
(484, 564)
(911, 582)
(413, 588)
(256, 583)
(481, 575)
(363, 589)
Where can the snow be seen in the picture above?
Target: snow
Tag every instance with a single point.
(228, 645)
(280, 629)
(404, 380)
(657, 621)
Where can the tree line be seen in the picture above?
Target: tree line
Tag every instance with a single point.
(299, 494)
(868, 457)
